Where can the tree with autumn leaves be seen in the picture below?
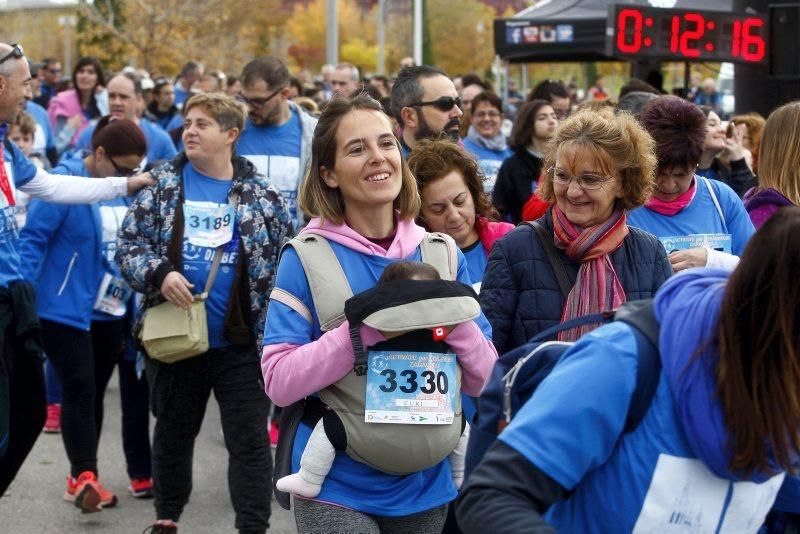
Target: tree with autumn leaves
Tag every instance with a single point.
(161, 35)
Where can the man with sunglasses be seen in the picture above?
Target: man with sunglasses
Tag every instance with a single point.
(22, 398)
(278, 133)
(50, 76)
(426, 105)
(125, 101)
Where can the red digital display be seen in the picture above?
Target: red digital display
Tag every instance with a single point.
(680, 34)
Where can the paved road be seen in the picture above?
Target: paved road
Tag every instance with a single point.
(34, 504)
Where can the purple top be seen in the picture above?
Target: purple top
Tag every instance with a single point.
(760, 205)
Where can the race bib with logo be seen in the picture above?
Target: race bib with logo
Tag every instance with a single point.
(416, 388)
(208, 224)
(718, 242)
(113, 295)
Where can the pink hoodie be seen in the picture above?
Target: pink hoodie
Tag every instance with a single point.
(292, 372)
(66, 104)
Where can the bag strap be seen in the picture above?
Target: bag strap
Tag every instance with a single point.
(575, 322)
(715, 201)
(326, 279)
(439, 251)
(639, 315)
(212, 275)
(546, 238)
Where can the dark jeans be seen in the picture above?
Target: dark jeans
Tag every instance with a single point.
(178, 395)
(26, 402)
(135, 397)
(83, 362)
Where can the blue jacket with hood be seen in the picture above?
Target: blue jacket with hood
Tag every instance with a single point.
(566, 451)
(61, 254)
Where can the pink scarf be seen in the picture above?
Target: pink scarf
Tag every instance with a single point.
(674, 206)
(597, 288)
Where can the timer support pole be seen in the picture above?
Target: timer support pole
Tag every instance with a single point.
(687, 78)
(754, 88)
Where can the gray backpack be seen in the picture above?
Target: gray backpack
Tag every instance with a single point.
(392, 448)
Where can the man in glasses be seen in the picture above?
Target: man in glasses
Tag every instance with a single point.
(426, 106)
(22, 398)
(125, 102)
(278, 133)
(49, 76)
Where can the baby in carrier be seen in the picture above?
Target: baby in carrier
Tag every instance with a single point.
(320, 450)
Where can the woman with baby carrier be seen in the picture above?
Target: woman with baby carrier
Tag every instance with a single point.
(581, 257)
(716, 448)
(363, 200)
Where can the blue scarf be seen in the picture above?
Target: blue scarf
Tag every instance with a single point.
(688, 307)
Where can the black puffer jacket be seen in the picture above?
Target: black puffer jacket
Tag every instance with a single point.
(516, 180)
(520, 294)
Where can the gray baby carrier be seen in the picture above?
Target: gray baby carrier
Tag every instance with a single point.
(394, 448)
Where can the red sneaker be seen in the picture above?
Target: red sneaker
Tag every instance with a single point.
(273, 433)
(53, 423)
(162, 526)
(84, 492)
(141, 488)
(107, 499)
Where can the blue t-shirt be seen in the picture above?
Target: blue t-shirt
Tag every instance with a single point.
(477, 260)
(112, 212)
(350, 483)
(20, 171)
(275, 151)
(159, 143)
(197, 259)
(169, 123)
(40, 115)
(489, 162)
(700, 218)
(647, 480)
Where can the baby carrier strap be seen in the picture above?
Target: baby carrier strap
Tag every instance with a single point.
(443, 258)
(326, 279)
(328, 283)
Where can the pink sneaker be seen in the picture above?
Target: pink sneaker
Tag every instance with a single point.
(53, 423)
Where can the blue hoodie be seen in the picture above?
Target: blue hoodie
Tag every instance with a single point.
(648, 480)
(61, 252)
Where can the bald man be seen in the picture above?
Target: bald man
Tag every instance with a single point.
(22, 398)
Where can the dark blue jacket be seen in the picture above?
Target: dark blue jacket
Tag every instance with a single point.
(520, 294)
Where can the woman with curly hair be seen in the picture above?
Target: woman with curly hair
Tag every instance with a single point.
(581, 257)
(454, 203)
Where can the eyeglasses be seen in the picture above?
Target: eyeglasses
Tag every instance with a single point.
(561, 114)
(486, 114)
(53, 71)
(588, 182)
(257, 103)
(122, 171)
(16, 53)
(443, 103)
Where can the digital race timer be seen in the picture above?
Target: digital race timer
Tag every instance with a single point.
(685, 34)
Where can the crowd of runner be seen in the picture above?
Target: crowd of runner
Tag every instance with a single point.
(357, 253)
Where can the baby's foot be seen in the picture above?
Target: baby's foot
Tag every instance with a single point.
(295, 485)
